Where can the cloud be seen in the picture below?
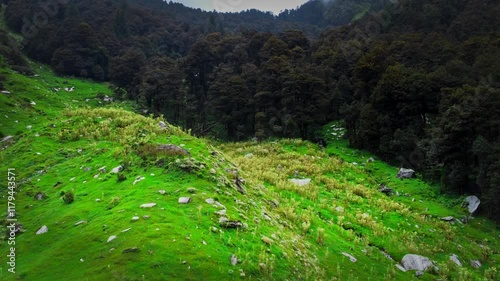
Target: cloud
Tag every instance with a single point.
(274, 6)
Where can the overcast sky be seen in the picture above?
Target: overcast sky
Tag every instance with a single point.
(274, 6)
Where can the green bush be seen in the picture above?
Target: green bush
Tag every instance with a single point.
(68, 197)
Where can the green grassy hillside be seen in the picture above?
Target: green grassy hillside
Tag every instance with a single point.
(245, 219)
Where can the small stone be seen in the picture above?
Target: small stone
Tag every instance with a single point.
(475, 263)
(80, 222)
(419, 273)
(162, 192)
(267, 240)
(42, 230)
(131, 250)
(454, 258)
(116, 170)
(301, 182)
(40, 196)
(148, 205)
(351, 258)
(339, 209)
(191, 190)
(126, 230)
(370, 160)
(210, 201)
(221, 212)
(184, 200)
(138, 179)
(234, 260)
(249, 155)
(448, 219)
(102, 170)
(213, 171)
(146, 217)
(136, 218)
(111, 238)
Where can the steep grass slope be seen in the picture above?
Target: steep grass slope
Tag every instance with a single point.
(245, 219)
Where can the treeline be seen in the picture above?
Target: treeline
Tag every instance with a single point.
(416, 83)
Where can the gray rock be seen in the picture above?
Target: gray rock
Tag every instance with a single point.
(191, 190)
(416, 262)
(148, 205)
(184, 200)
(111, 238)
(472, 203)
(301, 182)
(475, 263)
(231, 224)
(234, 260)
(5, 92)
(213, 171)
(138, 179)
(405, 173)
(210, 201)
(339, 209)
(42, 230)
(419, 273)
(448, 219)
(8, 139)
(116, 170)
(351, 258)
(454, 258)
(162, 192)
(370, 160)
(40, 196)
(86, 169)
(249, 155)
(221, 212)
(146, 217)
(80, 222)
(131, 250)
(126, 230)
(173, 149)
(163, 125)
(102, 170)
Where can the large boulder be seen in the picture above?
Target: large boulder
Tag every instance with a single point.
(416, 262)
(405, 173)
(472, 203)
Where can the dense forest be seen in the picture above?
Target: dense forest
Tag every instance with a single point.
(417, 82)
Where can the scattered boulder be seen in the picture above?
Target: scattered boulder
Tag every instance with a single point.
(8, 139)
(475, 263)
(138, 179)
(146, 217)
(210, 201)
(221, 212)
(111, 238)
(370, 160)
(86, 169)
(301, 182)
(102, 170)
(416, 262)
(131, 250)
(234, 260)
(42, 230)
(351, 258)
(116, 170)
(405, 173)
(162, 192)
(163, 125)
(384, 189)
(472, 203)
(80, 222)
(249, 155)
(448, 219)
(230, 224)
(267, 240)
(148, 205)
(191, 190)
(213, 171)
(339, 209)
(454, 258)
(126, 230)
(173, 149)
(40, 196)
(184, 200)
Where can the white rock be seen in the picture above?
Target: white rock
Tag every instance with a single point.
(111, 238)
(136, 218)
(210, 201)
(301, 182)
(184, 200)
(42, 230)
(400, 267)
(116, 170)
(339, 209)
(234, 260)
(80, 222)
(351, 258)
(138, 179)
(128, 228)
(148, 205)
(162, 192)
(249, 155)
(454, 258)
(475, 263)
